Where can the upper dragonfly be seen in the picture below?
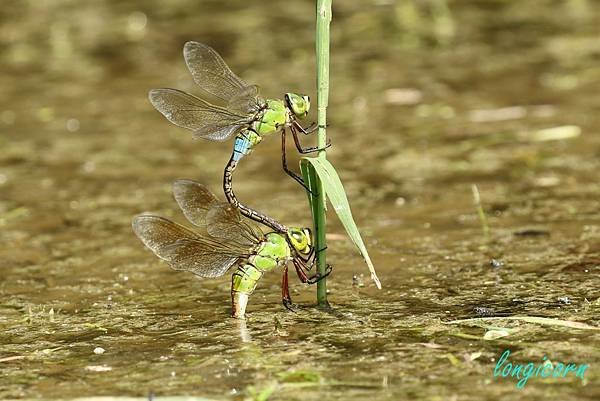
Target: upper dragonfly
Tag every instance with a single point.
(243, 113)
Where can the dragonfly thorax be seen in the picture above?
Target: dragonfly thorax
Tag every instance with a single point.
(277, 114)
(272, 119)
(274, 251)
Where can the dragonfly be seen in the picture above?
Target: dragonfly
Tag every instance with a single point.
(223, 239)
(241, 112)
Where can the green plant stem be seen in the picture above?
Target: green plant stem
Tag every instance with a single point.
(482, 217)
(322, 49)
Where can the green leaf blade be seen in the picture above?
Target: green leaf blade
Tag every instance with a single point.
(337, 196)
(316, 200)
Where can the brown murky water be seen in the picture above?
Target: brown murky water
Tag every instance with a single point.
(427, 99)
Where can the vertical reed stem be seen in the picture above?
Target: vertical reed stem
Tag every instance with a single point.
(322, 49)
(482, 217)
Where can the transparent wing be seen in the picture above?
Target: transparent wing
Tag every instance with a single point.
(206, 120)
(225, 221)
(213, 75)
(194, 200)
(247, 102)
(185, 250)
(221, 220)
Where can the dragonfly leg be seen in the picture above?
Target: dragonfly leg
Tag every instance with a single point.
(322, 249)
(285, 166)
(302, 268)
(309, 149)
(286, 299)
(300, 271)
(287, 170)
(307, 258)
(308, 130)
(315, 278)
(318, 277)
(245, 210)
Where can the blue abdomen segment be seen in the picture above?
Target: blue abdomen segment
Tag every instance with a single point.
(241, 147)
(244, 143)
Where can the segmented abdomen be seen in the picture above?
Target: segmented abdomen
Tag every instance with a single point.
(244, 143)
(243, 284)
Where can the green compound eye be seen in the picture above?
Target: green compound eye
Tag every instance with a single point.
(307, 103)
(299, 240)
(298, 104)
(308, 234)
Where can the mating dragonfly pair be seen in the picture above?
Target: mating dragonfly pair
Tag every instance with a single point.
(224, 238)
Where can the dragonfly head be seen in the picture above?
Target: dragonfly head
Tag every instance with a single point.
(301, 239)
(299, 104)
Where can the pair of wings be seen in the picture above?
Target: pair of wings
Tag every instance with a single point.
(223, 237)
(206, 120)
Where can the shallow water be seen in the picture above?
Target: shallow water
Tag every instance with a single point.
(425, 102)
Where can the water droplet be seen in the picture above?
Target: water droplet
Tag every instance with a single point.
(73, 125)
(136, 25)
(89, 166)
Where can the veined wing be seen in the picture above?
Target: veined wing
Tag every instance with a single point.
(185, 250)
(204, 119)
(213, 75)
(246, 102)
(221, 220)
(194, 200)
(225, 221)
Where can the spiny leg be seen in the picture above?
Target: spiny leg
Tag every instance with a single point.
(299, 145)
(308, 130)
(287, 169)
(284, 163)
(245, 210)
(318, 277)
(300, 271)
(285, 291)
(310, 257)
(302, 268)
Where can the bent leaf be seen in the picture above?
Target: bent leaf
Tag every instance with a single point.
(495, 334)
(529, 319)
(337, 196)
(310, 179)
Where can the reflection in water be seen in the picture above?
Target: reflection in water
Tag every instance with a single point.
(244, 332)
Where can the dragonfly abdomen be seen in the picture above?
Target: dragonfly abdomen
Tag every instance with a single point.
(243, 284)
(271, 253)
(244, 143)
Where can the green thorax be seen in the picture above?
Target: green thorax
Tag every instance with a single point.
(272, 119)
(272, 252)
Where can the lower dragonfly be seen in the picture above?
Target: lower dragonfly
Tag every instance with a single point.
(240, 112)
(224, 240)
